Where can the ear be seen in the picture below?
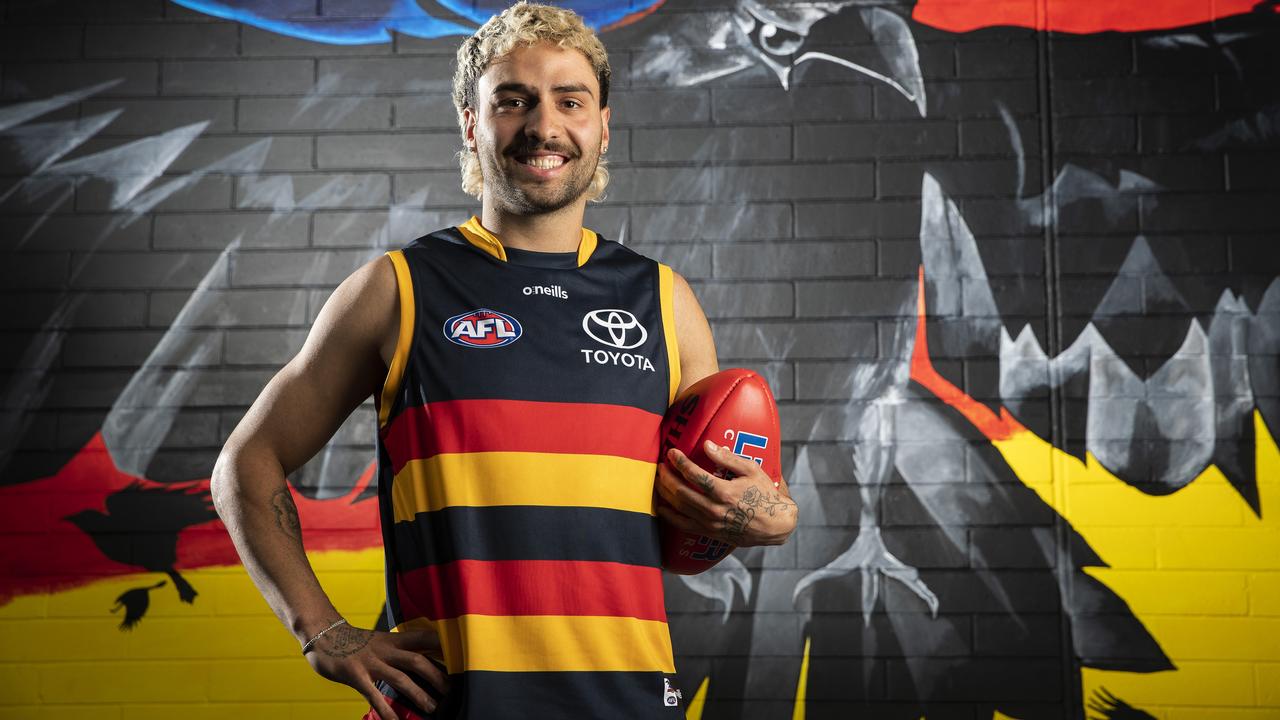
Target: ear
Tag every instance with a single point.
(469, 128)
(604, 125)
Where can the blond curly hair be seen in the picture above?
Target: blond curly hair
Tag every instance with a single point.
(524, 24)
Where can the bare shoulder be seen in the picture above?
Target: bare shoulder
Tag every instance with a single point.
(361, 312)
(693, 335)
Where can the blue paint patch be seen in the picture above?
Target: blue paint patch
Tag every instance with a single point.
(299, 20)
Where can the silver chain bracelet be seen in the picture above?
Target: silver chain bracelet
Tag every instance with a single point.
(306, 648)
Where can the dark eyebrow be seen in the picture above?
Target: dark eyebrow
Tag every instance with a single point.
(527, 90)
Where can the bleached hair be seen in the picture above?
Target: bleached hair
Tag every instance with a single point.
(524, 24)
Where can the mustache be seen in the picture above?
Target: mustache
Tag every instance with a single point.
(528, 148)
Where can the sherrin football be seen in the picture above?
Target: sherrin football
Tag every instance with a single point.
(732, 408)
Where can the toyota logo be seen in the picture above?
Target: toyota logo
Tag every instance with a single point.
(614, 328)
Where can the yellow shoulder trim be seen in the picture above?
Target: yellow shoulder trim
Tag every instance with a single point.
(666, 297)
(400, 359)
(477, 235)
(587, 246)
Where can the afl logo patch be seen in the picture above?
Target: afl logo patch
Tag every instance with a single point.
(482, 328)
(615, 328)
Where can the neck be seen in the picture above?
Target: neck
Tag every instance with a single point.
(558, 231)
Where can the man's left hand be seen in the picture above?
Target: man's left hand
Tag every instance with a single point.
(747, 509)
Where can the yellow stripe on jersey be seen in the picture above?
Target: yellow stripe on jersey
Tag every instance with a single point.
(395, 373)
(483, 479)
(666, 298)
(551, 643)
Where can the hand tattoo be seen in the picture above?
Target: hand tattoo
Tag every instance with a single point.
(344, 641)
(773, 504)
(286, 513)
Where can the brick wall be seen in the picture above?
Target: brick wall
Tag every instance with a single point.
(994, 524)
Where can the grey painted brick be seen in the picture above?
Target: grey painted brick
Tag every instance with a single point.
(440, 187)
(859, 298)
(130, 270)
(824, 380)
(737, 221)
(985, 136)
(960, 99)
(284, 153)
(346, 229)
(87, 10)
(35, 270)
(688, 184)
(690, 260)
(228, 386)
(29, 310)
(317, 267)
(86, 389)
(1255, 254)
(610, 221)
(795, 259)
(166, 40)
(314, 113)
(800, 104)
(659, 107)
(795, 181)
(262, 347)
(872, 141)
(825, 423)
(78, 232)
(882, 218)
(239, 77)
(211, 192)
(1115, 96)
(928, 548)
(114, 348)
(215, 231)
(394, 151)
(313, 191)
(431, 110)
(367, 76)
(1012, 548)
(898, 258)
(1096, 135)
(773, 340)
(41, 42)
(1090, 56)
(406, 224)
(1005, 680)
(238, 308)
(1247, 212)
(151, 117)
(38, 80)
(1028, 635)
(958, 178)
(264, 43)
(1018, 59)
(746, 300)
(726, 144)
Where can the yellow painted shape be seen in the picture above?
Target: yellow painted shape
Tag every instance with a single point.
(997, 715)
(224, 656)
(1198, 543)
(1215, 713)
(802, 684)
(699, 701)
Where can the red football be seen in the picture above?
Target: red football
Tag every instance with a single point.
(732, 408)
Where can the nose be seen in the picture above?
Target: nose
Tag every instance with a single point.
(542, 123)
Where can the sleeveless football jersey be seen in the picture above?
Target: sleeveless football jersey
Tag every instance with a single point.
(517, 446)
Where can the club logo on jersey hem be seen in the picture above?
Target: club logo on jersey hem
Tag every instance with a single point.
(483, 328)
(670, 695)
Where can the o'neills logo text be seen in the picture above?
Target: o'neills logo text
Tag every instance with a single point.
(554, 291)
(614, 357)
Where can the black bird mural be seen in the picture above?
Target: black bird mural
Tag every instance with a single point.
(140, 528)
(135, 603)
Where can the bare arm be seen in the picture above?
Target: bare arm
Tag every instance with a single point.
(747, 510)
(342, 363)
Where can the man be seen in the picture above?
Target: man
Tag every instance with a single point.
(520, 366)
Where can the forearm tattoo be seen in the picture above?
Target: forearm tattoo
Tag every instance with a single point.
(286, 513)
(344, 641)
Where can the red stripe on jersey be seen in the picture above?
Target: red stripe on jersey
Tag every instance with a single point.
(460, 426)
(531, 587)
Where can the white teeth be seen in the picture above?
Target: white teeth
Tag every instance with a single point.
(545, 162)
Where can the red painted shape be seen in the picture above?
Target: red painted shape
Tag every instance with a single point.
(995, 427)
(634, 16)
(1075, 16)
(460, 426)
(532, 587)
(44, 552)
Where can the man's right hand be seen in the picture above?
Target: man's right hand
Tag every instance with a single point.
(360, 658)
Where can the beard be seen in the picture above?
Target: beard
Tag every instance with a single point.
(527, 197)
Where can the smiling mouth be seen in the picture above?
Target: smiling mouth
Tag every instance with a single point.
(543, 162)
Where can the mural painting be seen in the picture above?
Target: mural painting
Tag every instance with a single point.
(1034, 448)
